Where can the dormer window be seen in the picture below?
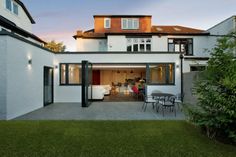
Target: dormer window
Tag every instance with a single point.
(107, 23)
(12, 6)
(130, 23)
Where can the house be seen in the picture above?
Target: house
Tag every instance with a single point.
(118, 49)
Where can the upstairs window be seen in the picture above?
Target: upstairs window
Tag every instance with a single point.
(139, 44)
(181, 45)
(8, 5)
(12, 7)
(107, 23)
(15, 8)
(130, 23)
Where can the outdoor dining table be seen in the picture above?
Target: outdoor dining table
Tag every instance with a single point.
(162, 95)
(158, 96)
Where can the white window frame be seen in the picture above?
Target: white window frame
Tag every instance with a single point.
(145, 43)
(17, 6)
(134, 22)
(105, 23)
(12, 7)
(9, 9)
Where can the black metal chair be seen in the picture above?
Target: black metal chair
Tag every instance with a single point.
(148, 99)
(167, 102)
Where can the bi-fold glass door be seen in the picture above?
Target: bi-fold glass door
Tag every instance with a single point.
(87, 80)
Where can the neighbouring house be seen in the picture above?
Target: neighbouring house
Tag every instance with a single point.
(118, 53)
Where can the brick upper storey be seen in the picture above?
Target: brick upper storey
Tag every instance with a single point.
(144, 23)
(134, 24)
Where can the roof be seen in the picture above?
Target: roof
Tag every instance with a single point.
(26, 11)
(12, 26)
(122, 16)
(156, 30)
(231, 17)
(89, 34)
(175, 29)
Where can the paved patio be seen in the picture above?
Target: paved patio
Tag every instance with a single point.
(100, 111)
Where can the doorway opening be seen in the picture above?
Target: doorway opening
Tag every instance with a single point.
(48, 86)
(122, 82)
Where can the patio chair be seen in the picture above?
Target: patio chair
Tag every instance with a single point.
(148, 99)
(167, 103)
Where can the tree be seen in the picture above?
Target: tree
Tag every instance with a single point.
(216, 92)
(56, 47)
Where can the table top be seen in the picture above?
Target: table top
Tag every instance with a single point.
(162, 94)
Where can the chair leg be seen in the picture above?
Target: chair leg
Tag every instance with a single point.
(162, 111)
(145, 107)
(175, 111)
(157, 107)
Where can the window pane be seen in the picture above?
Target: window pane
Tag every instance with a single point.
(141, 47)
(162, 73)
(8, 4)
(170, 41)
(171, 73)
(136, 23)
(129, 48)
(148, 40)
(182, 48)
(158, 74)
(74, 74)
(148, 47)
(124, 23)
(135, 47)
(177, 46)
(63, 73)
(171, 48)
(190, 49)
(135, 40)
(15, 8)
(130, 24)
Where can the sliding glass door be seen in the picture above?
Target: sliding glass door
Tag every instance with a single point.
(87, 80)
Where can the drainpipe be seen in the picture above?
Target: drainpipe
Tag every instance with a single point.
(181, 56)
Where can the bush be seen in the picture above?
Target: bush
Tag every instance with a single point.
(216, 92)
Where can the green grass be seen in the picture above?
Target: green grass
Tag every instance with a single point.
(107, 139)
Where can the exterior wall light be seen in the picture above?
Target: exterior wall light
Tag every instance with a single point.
(29, 61)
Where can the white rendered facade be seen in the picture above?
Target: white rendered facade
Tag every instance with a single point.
(22, 84)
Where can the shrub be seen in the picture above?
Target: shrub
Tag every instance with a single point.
(216, 91)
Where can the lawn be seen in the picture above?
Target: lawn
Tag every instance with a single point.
(107, 139)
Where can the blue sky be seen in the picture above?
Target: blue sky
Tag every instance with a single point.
(60, 19)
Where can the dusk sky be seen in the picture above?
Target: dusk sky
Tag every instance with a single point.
(60, 19)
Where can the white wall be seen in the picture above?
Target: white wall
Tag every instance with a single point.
(200, 44)
(91, 44)
(24, 83)
(116, 42)
(20, 20)
(188, 63)
(3, 80)
(224, 27)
